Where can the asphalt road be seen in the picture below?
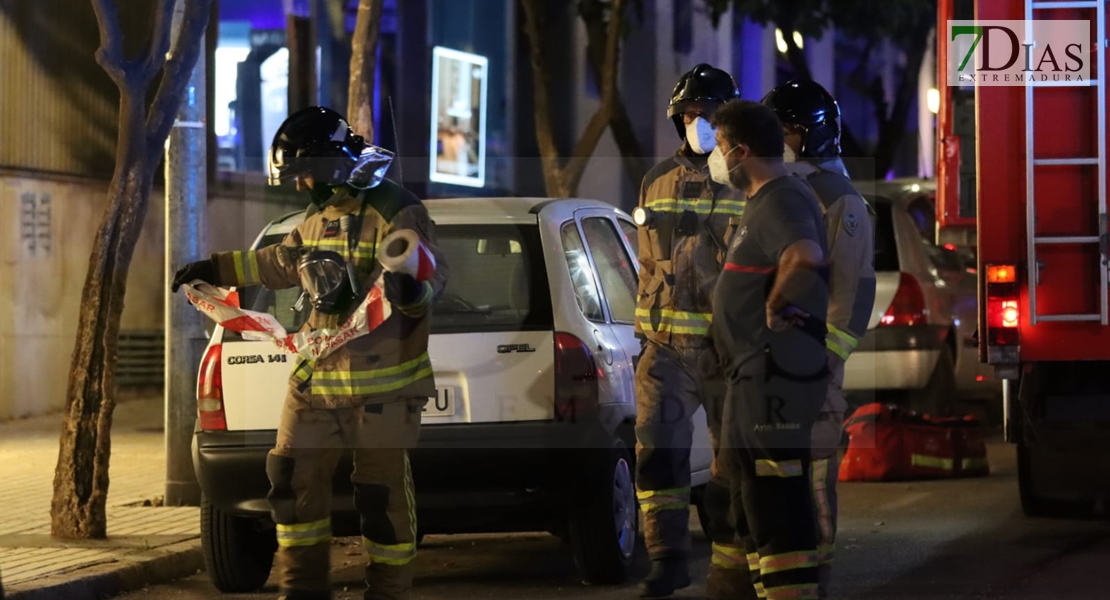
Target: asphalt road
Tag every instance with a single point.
(918, 541)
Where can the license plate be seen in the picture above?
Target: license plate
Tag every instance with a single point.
(443, 405)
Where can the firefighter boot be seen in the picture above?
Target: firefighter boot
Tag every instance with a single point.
(729, 584)
(667, 575)
(388, 582)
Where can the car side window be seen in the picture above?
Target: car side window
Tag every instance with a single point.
(614, 267)
(633, 236)
(581, 274)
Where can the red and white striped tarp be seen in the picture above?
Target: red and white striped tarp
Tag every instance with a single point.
(222, 306)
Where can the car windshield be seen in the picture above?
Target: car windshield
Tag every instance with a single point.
(497, 282)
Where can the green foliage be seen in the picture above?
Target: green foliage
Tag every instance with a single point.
(864, 19)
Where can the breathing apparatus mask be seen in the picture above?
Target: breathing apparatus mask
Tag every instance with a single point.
(329, 282)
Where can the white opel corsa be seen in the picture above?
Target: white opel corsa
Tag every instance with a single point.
(532, 428)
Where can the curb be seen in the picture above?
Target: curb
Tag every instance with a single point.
(125, 574)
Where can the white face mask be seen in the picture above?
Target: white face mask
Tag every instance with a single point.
(701, 136)
(718, 167)
(788, 154)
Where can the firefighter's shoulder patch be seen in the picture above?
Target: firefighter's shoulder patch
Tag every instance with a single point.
(739, 237)
(851, 223)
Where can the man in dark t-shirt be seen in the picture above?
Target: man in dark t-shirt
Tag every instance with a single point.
(769, 308)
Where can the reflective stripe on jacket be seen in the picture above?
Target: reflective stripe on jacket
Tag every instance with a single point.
(679, 267)
(390, 362)
(850, 228)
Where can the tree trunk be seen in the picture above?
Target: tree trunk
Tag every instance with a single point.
(364, 58)
(562, 181)
(81, 476)
(300, 33)
(541, 88)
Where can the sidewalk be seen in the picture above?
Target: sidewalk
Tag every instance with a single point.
(145, 543)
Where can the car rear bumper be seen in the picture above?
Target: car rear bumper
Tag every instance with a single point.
(894, 358)
(468, 477)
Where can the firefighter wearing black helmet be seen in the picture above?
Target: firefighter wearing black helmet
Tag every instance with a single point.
(368, 394)
(811, 123)
(686, 221)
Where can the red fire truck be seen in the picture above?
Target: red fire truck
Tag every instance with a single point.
(1025, 167)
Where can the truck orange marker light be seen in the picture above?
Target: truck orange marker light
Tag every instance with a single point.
(1001, 274)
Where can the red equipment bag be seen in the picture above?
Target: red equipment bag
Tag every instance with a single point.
(892, 444)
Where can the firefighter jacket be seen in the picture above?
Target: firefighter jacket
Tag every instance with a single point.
(682, 247)
(849, 224)
(390, 362)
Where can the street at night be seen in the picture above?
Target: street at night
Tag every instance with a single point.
(931, 540)
(490, 298)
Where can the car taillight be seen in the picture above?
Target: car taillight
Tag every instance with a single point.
(908, 306)
(576, 379)
(210, 391)
(1003, 314)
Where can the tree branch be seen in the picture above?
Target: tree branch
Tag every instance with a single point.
(110, 53)
(600, 121)
(183, 58)
(545, 124)
(624, 134)
(152, 62)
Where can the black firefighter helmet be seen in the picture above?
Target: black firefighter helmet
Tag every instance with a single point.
(806, 105)
(315, 141)
(703, 83)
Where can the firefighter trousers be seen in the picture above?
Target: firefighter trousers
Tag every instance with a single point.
(766, 454)
(670, 386)
(301, 467)
(827, 432)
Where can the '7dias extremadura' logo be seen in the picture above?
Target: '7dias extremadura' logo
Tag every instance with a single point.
(1036, 52)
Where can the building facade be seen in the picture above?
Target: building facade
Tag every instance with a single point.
(454, 99)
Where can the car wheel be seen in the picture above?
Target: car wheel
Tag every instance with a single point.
(603, 522)
(238, 551)
(938, 397)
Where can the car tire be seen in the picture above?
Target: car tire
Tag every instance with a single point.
(938, 397)
(603, 521)
(238, 551)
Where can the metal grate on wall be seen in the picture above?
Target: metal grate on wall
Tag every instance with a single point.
(141, 361)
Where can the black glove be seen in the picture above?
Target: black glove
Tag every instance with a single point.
(203, 270)
(402, 289)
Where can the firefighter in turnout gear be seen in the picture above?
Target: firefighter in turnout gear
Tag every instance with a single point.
(368, 394)
(811, 123)
(685, 222)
